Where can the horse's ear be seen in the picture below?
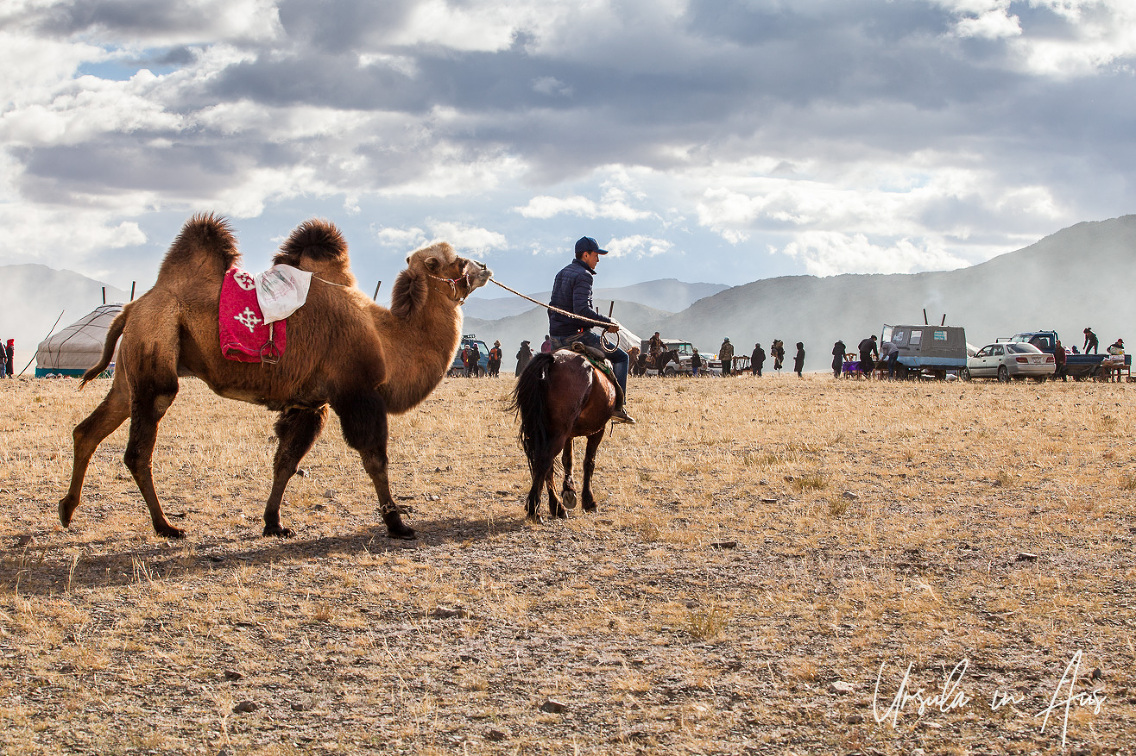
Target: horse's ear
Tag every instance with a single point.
(409, 293)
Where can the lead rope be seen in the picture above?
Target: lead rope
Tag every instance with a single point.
(574, 316)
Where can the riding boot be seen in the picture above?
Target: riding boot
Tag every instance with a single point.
(619, 415)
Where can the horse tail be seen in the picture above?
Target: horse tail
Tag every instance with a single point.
(113, 332)
(529, 401)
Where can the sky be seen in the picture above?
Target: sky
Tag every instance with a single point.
(720, 141)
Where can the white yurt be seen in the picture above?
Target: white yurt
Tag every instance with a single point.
(78, 346)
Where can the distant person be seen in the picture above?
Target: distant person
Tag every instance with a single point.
(893, 361)
(799, 359)
(524, 354)
(757, 360)
(494, 364)
(655, 345)
(474, 360)
(868, 350)
(726, 354)
(9, 356)
(838, 352)
(1091, 342)
(695, 363)
(546, 347)
(1059, 359)
(778, 350)
(1117, 347)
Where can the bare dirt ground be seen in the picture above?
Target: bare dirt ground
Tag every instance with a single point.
(769, 557)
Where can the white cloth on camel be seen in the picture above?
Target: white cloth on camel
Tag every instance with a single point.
(281, 290)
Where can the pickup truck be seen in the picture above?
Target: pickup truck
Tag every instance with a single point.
(1077, 366)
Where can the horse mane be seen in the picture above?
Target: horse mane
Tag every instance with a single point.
(317, 246)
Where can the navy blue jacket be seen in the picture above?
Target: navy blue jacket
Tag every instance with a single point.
(572, 291)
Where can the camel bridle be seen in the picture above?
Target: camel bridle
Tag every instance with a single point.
(453, 282)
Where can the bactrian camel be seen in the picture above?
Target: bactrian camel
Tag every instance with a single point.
(343, 351)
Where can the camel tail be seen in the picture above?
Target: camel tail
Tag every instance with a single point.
(113, 333)
(529, 399)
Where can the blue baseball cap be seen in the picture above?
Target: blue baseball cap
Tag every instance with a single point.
(588, 244)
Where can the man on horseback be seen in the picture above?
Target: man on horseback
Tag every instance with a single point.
(572, 292)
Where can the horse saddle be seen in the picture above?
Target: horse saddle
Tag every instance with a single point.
(600, 362)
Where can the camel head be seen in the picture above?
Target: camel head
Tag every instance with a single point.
(438, 268)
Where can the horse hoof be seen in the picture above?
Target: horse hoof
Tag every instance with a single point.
(569, 497)
(65, 512)
(279, 532)
(169, 531)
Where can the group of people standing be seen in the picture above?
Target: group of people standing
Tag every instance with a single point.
(7, 357)
(871, 355)
(758, 356)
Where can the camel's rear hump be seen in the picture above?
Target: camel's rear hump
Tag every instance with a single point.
(205, 248)
(318, 246)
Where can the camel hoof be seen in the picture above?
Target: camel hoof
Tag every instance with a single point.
(278, 531)
(401, 532)
(569, 497)
(169, 531)
(65, 513)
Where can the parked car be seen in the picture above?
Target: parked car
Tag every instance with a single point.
(1006, 360)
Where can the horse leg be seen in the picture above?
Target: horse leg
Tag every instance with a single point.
(589, 468)
(568, 493)
(296, 430)
(153, 395)
(105, 419)
(363, 419)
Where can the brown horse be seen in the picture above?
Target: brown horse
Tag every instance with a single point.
(560, 396)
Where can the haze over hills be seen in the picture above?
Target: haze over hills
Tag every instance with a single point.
(1081, 276)
(33, 296)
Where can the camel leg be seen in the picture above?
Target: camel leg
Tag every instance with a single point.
(589, 468)
(151, 400)
(106, 418)
(296, 430)
(364, 422)
(568, 492)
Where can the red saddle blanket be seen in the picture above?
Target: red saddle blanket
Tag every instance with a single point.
(244, 336)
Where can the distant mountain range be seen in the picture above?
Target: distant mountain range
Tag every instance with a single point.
(1081, 276)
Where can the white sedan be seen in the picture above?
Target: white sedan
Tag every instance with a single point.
(1006, 360)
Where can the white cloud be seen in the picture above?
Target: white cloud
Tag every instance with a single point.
(468, 239)
(638, 246)
(830, 253)
(994, 24)
(402, 238)
(613, 205)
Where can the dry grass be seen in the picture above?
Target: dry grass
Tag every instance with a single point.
(762, 547)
